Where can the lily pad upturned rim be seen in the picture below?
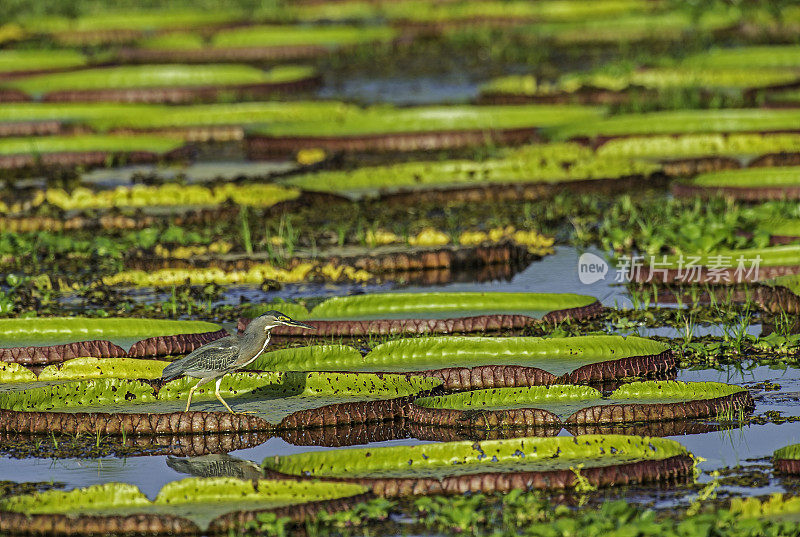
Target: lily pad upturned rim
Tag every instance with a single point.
(28, 411)
(787, 459)
(674, 463)
(150, 346)
(455, 410)
(328, 496)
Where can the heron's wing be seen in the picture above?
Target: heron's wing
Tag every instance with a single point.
(214, 357)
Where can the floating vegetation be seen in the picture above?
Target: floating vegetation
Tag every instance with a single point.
(787, 459)
(682, 122)
(88, 143)
(437, 304)
(188, 506)
(167, 195)
(700, 145)
(287, 36)
(552, 406)
(385, 119)
(750, 184)
(101, 83)
(482, 362)
(552, 163)
(20, 61)
(493, 465)
(271, 400)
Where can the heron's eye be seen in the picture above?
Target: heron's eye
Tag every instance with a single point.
(283, 318)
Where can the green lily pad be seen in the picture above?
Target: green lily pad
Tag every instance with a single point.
(272, 396)
(36, 60)
(148, 76)
(784, 176)
(555, 355)
(788, 452)
(115, 144)
(442, 305)
(39, 331)
(197, 499)
(771, 256)
(468, 458)
(565, 401)
(683, 122)
(92, 368)
(312, 354)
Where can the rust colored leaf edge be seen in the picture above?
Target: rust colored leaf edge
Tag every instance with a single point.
(260, 147)
(477, 323)
(151, 524)
(154, 346)
(787, 466)
(181, 95)
(505, 376)
(672, 468)
(599, 414)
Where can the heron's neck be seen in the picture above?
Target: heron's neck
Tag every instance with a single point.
(259, 340)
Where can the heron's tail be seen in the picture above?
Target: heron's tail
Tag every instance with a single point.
(172, 371)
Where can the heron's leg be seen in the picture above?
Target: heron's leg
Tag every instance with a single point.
(191, 392)
(221, 400)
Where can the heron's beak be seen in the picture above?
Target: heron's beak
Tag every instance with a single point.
(299, 324)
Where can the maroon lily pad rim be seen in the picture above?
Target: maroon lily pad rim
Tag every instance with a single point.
(598, 414)
(506, 376)
(477, 323)
(182, 94)
(755, 193)
(14, 523)
(259, 147)
(148, 347)
(671, 468)
(787, 466)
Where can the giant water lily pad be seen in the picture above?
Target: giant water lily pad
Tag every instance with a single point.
(749, 183)
(390, 313)
(724, 267)
(150, 76)
(494, 465)
(787, 459)
(283, 400)
(481, 362)
(56, 330)
(443, 305)
(554, 405)
(38, 341)
(180, 507)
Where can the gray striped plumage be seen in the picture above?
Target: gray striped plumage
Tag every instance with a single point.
(216, 359)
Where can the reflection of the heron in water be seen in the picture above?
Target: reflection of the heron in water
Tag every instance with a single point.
(216, 465)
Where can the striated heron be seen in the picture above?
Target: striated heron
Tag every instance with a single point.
(214, 360)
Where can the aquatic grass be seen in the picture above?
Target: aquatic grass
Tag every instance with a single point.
(147, 76)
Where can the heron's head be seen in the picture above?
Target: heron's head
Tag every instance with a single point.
(271, 319)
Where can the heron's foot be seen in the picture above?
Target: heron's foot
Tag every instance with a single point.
(245, 412)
